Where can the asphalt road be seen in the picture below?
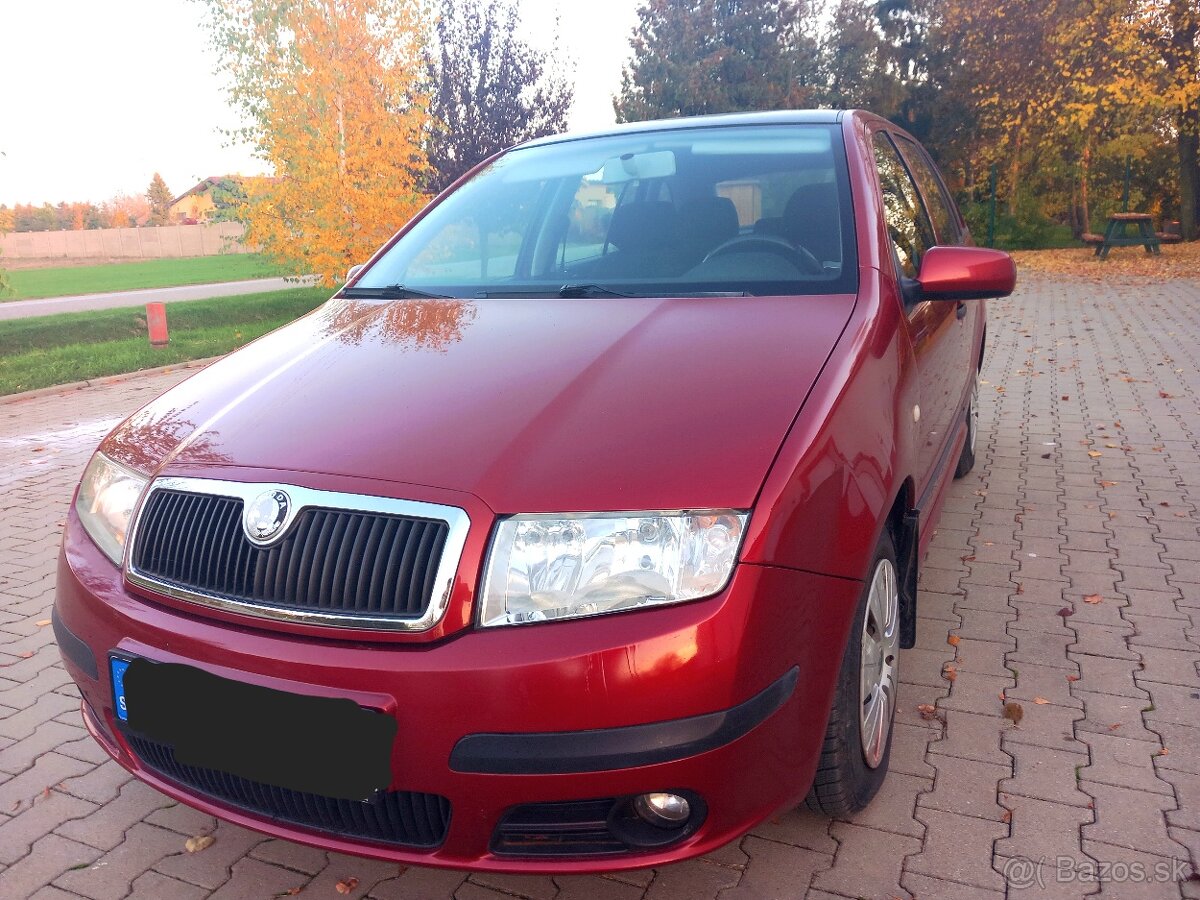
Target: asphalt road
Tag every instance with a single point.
(20, 309)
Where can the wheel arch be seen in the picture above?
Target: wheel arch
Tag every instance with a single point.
(903, 522)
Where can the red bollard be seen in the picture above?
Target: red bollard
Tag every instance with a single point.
(156, 321)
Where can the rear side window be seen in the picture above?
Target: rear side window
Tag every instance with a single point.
(908, 223)
(938, 202)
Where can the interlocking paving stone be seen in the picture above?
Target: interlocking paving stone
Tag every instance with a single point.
(868, 862)
(957, 848)
(419, 881)
(580, 887)
(776, 871)
(110, 876)
(965, 786)
(1124, 762)
(1130, 818)
(694, 878)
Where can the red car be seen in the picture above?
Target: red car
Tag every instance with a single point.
(579, 531)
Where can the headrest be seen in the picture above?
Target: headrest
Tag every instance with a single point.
(651, 223)
(709, 220)
(811, 219)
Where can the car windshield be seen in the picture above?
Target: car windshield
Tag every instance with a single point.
(687, 212)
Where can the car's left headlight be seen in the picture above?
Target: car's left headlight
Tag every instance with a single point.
(108, 494)
(546, 567)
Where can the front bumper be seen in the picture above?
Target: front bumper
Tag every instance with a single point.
(726, 698)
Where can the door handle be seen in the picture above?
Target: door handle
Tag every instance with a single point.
(961, 311)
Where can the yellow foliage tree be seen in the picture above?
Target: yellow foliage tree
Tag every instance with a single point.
(330, 93)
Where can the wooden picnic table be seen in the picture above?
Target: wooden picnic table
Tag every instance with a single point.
(1117, 234)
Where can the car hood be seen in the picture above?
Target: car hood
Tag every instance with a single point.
(530, 405)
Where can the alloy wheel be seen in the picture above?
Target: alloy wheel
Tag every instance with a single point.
(880, 653)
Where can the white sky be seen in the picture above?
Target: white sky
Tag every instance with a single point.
(101, 94)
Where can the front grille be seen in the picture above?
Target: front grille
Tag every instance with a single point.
(344, 562)
(404, 818)
(574, 828)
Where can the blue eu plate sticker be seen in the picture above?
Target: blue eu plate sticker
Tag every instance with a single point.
(118, 677)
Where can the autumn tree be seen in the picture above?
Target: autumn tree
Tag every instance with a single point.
(489, 88)
(694, 57)
(159, 197)
(1173, 27)
(126, 211)
(330, 93)
(856, 63)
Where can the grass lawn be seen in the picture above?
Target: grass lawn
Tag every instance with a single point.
(32, 284)
(58, 349)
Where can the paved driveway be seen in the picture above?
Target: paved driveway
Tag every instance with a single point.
(1065, 578)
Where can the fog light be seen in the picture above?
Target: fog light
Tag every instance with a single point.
(662, 810)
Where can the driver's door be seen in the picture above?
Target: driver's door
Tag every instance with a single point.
(932, 325)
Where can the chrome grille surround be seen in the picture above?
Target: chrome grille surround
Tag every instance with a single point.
(304, 498)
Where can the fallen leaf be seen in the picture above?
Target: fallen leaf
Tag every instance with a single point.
(346, 885)
(1094, 453)
(1164, 503)
(1040, 701)
(1066, 396)
(1020, 588)
(1092, 598)
(198, 843)
(1014, 711)
(949, 672)
(42, 623)
(1114, 726)
(928, 711)
(1163, 752)
(952, 640)
(290, 892)
(1107, 483)
(967, 558)
(1045, 456)
(1006, 816)
(1066, 611)
(1165, 395)
(1072, 678)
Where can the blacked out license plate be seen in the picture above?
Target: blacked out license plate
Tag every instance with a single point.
(319, 745)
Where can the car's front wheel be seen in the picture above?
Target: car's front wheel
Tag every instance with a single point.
(858, 739)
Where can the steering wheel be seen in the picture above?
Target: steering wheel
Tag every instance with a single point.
(757, 243)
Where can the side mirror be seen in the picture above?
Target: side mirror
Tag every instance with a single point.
(966, 273)
(353, 271)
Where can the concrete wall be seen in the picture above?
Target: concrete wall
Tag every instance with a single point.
(125, 243)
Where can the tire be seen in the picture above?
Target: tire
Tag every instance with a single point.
(851, 769)
(966, 460)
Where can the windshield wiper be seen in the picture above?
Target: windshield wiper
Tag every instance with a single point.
(589, 290)
(390, 292)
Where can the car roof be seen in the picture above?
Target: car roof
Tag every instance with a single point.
(773, 117)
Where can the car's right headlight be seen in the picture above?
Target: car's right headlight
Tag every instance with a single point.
(108, 494)
(546, 567)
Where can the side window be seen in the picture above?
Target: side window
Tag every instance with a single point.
(936, 199)
(907, 221)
